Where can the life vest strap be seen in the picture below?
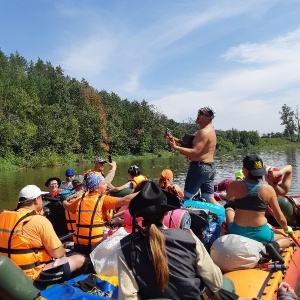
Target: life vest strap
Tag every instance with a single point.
(33, 265)
(87, 237)
(90, 225)
(71, 221)
(19, 251)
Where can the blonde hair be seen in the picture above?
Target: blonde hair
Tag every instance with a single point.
(159, 256)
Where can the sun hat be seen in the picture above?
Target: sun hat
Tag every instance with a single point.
(70, 172)
(255, 165)
(30, 192)
(134, 170)
(100, 160)
(79, 179)
(239, 174)
(152, 200)
(52, 178)
(93, 181)
(166, 174)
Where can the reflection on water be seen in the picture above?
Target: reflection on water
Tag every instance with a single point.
(12, 181)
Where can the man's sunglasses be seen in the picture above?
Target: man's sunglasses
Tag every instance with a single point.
(200, 112)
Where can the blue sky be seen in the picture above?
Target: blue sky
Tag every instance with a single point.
(242, 57)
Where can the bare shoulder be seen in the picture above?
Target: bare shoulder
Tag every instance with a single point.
(235, 184)
(266, 188)
(203, 133)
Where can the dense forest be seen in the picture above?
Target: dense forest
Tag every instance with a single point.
(46, 116)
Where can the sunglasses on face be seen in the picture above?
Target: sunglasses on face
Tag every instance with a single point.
(201, 113)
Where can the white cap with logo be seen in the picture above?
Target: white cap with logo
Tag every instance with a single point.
(30, 192)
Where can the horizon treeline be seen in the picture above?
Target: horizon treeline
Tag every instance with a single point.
(45, 114)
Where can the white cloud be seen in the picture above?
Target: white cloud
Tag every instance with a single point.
(247, 94)
(123, 52)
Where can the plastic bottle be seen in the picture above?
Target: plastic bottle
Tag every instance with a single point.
(105, 233)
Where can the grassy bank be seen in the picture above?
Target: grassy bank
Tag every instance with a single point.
(52, 159)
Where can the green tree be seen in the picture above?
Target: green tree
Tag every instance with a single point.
(287, 119)
(297, 123)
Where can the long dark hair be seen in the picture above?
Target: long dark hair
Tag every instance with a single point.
(158, 250)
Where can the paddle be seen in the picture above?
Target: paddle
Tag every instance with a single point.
(270, 210)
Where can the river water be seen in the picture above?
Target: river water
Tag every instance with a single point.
(12, 181)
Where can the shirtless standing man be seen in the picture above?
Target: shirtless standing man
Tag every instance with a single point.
(202, 168)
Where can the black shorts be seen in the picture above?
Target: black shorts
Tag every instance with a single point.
(54, 275)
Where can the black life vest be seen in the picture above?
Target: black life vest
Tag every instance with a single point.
(184, 283)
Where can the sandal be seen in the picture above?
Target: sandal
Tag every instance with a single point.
(284, 295)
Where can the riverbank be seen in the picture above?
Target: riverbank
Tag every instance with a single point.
(47, 159)
(53, 160)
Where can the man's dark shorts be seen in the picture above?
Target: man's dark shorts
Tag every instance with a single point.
(200, 176)
(54, 275)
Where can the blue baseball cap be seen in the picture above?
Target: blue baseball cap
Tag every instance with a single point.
(70, 172)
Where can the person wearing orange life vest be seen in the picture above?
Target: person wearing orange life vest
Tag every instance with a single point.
(135, 178)
(92, 213)
(28, 238)
(165, 182)
(71, 215)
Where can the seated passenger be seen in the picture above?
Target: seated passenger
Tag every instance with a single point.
(158, 262)
(68, 204)
(67, 183)
(25, 229)
(239, 175)
(54, 210)
(93, 216)
(135, 177)
(252, 197)
(222, 186)
(280, 179)
(165, 182)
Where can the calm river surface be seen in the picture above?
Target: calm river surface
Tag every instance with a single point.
(12, 181)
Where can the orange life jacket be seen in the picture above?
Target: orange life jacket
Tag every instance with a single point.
(90, 220)
(15, 246)
(70, 217)
(138, 179)
(71, 221)
(93, 171)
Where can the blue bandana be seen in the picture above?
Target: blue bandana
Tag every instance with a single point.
(93, 181)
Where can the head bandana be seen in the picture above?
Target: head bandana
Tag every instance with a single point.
(93, 181)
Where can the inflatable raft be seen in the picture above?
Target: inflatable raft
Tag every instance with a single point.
(262, 282)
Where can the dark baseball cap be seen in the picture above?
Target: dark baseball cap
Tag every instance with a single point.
(254, 165)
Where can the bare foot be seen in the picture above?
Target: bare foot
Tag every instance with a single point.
(285, 287)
